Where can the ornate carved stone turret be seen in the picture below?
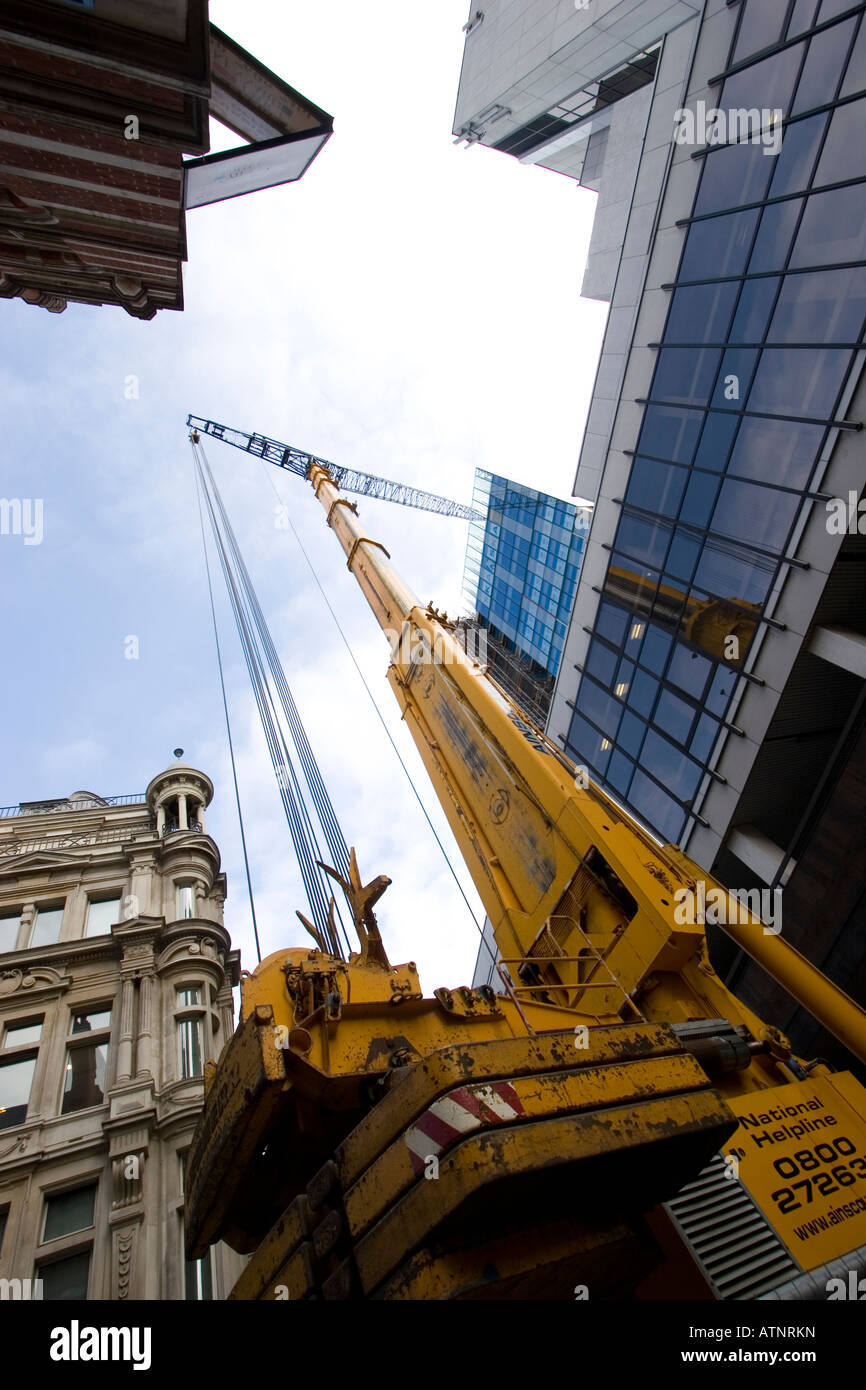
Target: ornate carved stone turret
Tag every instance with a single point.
(178, 798)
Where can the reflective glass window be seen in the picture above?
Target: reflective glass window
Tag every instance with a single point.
(761, 26)
(689, 670)
(700, 313)
(670, 598)
(753, 309)
(619, 772)
(601, 662)
(821, 307)
(643, 539)
(66, 1280)
(9, 926)
(754, 514)
(18, 1034)
(598, 706)
(719, 431)
(16, 1079)
(198, 1279)
(855, 76)
(782, 451)
(634, 640)
(737, 174)
(190, 1047)
(844, 153)
(823, 67)
(685, 549)
(731, 574)
(674, 716)
(703, 738)
(587, 745)
(611, 622)
(656, 486)
(642, 692)
(68, 1212)
(735, 377)
(84, 1079)
(624, 677)
(631, 733)
(719, 246)
(46, 929)
(101, 917)
(656, 646)
(185, 900)
(91, 1021)
(670, 765)
(656, 807)
(802, 18)
(771, 82)
(698, 503)
(833, 229)
(633, 583)
(773, 242)
(830, 8)
(684, 375)
(670, 432)
(795, 161)
(804, 381)
(720, 691)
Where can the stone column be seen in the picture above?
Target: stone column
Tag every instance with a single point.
(160, 820)
(201, 816)
(28, 913)
(181, 811)
(225, 1004)
(145, 1026)
(124, 1053)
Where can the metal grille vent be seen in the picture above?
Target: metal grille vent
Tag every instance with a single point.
(729, 1236)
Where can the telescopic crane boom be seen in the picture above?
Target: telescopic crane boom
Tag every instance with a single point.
(299, 462)
(558, 1118)
(349, 479)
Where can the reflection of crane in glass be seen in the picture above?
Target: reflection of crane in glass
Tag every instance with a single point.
(85, 1071)
(707, 623)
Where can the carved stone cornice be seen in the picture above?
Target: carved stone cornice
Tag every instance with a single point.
(194, 939)
(32, 981)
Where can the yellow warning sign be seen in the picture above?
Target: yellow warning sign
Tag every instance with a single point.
(801, 1153)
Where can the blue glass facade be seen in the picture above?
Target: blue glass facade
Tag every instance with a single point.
(760, 344)
(522, 565)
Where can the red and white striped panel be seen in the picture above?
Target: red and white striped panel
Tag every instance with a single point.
(455, 1114)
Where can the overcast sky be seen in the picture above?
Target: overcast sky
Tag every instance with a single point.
(410, 308)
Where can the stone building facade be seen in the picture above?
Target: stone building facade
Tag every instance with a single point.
(101, 102)
(116, 977)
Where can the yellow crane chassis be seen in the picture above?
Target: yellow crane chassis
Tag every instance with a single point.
(503, 1169)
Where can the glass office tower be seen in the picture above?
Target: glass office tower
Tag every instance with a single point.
(754, 370)
(520, 576)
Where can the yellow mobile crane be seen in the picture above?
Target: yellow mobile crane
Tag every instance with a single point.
(360, 1140)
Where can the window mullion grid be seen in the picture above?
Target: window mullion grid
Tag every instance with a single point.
(804, 38)
(687, 807)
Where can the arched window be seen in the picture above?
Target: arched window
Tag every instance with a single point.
(190, 1017)
(185, 899)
